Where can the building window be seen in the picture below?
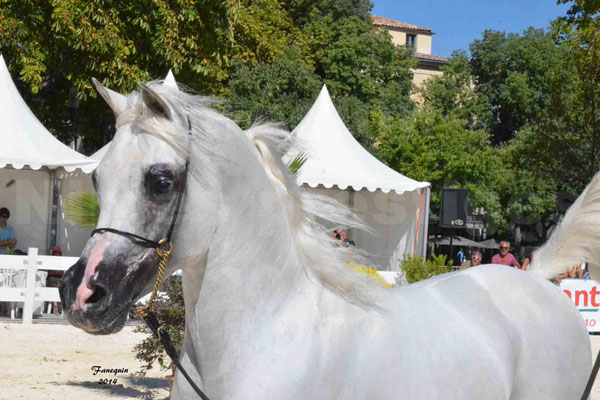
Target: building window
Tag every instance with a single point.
(411, 40)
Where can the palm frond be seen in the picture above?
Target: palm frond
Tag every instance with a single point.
(82, 210)
(297, 163)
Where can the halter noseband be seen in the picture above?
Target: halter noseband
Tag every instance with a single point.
(163, 249)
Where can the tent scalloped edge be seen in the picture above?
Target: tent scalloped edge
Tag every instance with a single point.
(356, 187)
(86, 169)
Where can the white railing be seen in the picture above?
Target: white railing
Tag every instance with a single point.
(30, 293)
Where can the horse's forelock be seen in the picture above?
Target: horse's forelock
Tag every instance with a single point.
(189, 111)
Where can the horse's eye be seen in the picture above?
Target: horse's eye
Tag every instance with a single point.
(162, 184)
(159, 179)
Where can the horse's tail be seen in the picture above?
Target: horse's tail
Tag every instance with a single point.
(576, 239)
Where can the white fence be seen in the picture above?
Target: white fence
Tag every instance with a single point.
(30, 293)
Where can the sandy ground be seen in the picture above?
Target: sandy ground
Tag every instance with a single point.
(55, 362)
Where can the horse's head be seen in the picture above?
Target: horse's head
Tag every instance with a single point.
(138, 182)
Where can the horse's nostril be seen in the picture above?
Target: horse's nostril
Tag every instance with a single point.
(98, 295)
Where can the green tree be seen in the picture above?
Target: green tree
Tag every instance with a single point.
(430, 147)
(518, 75)
(582, 36)
(365, 73)
(283, 91)
(305, 11)
(580, 10)
(453, 93)
(56, 47)
(558, 154)
(262, 31)
(360, 62)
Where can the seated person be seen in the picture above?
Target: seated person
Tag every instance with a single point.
(576, 272)
(8, 236)
(340, 235)
(53, 277)
(475, 259)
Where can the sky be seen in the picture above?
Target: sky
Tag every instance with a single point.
(457, 23)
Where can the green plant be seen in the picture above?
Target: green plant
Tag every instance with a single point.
(417, 270)
(297, 163)
(82, 210)
(171, 311)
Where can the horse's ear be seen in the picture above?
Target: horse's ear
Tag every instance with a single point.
(115, 100)
(154, 102)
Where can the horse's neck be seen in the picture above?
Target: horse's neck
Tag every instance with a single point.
(246, 283)
(252, 260)
(248, 275)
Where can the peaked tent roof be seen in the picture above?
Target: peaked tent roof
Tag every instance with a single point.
(25, 140)
(336, 158)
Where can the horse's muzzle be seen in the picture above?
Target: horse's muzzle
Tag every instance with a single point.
(103, 312)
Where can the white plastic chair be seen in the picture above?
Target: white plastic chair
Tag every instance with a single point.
(6, 280)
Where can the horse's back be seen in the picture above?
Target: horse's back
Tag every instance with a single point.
(535, 339)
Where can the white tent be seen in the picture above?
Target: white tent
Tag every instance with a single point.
(25, 141)
(30, 157)
(394, 206)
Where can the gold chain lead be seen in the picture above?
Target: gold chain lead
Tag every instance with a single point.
(162, 266)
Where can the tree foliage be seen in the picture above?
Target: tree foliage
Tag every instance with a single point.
(363, 70)
(305, 11)
(52, 46)
(282, 91)
(517, 73)
(454, 95)
(365, 73)
(431, 147)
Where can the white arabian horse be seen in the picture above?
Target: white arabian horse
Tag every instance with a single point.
(271, 310)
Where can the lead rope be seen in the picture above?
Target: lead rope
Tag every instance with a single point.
(592, 378)
(147, 313)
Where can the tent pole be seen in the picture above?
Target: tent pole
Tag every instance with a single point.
(351, 207)
(426, 222)
(54, 189)
(451, 245)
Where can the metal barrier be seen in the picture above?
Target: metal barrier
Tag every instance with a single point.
(30, 293)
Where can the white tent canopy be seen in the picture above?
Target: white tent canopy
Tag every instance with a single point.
(396, 207)
(26, 142)
(29, 157)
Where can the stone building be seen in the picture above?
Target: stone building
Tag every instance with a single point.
(419, 39)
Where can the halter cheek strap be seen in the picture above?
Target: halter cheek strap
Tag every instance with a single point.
(143, 241)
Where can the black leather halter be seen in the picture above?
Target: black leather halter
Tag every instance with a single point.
(149, 316)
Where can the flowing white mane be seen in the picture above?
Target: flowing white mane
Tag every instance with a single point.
(311, 217)
(320, 256)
